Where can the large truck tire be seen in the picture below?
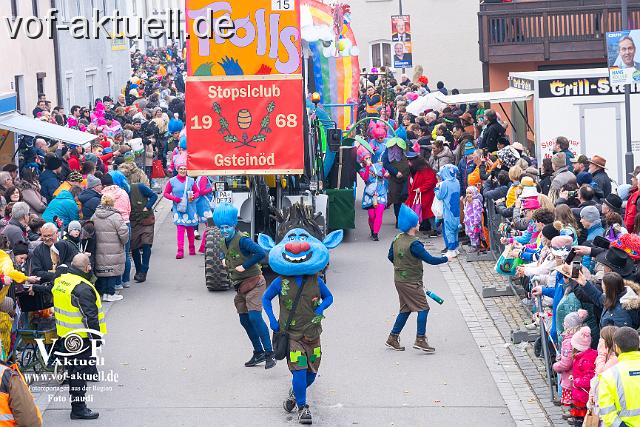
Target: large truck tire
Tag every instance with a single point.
(216, 277)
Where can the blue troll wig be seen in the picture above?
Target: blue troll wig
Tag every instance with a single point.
(407, 219)
(183, 142)
(225, 214)
(120, 180)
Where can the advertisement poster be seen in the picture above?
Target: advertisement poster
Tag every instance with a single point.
(623, 56)
(401, 41)
(243, 125)
(263, 38)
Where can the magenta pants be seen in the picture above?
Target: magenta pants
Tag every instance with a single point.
(375, 217)
(181, 229)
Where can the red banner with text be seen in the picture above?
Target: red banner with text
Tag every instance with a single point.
(240, 125)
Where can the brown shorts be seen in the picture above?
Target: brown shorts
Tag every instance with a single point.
(412, 297)
(252, 300)
(304, 355)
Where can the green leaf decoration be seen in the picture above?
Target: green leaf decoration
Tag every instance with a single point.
(224, 123)
(258, 138)
(231, 138)
(284, 289)
(288, 304)
(265, 122)
(316, 320)
(216, 107)
(271, 107)
(293, 322)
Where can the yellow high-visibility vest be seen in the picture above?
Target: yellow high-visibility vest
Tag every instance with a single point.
(68, 317)
(619, 392)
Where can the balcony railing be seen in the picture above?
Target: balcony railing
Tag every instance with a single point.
(550, 30)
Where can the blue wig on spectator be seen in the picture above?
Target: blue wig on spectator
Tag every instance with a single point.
(120, 180)
(407, 219)
(225, 214)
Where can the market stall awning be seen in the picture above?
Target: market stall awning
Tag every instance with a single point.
(509, 95)
(24, 125)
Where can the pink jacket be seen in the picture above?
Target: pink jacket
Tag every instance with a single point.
(564, 365)
(605, 360)
(123, 204)
(584, 366)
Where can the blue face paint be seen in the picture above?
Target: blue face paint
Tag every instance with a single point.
(299, 253)
(227, 231)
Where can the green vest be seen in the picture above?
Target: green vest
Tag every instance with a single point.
(68, 317)
(233, 258)
(302, 324)
(138, 203)
(407, 268)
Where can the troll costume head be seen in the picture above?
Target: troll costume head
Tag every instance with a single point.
(299, 253)
(407, 219)
(225, 216)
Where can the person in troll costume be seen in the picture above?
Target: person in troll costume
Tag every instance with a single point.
(299, 260)
(242, 259)
(448, 190)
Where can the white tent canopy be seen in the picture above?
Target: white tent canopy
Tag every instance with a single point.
(426, 102)
(24, 125)
(509, 95)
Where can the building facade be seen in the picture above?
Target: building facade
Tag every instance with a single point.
(29, 66)
(444, 38)
(159, 9)
(90, 68)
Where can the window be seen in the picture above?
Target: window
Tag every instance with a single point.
(104, 6)
(68, 93)
(20, 96)
(14, 8)
(79, 8)
(40, 81)
(90, 79)
(381, 54)
(34, 6)
(109, 82)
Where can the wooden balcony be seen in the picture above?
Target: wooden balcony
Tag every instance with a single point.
(560, 30)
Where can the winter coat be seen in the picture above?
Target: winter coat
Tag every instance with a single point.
(32, 196)
(568, 304)
(90, 200)
(584, 365)
(122, 202)
(133, 173)
(561, 178)
(424, 181)
(490, 136)
(112, 233)
(15, 232)
(565, 364)
(64, 207)
(594, 231)
(626, 312)
(604, 182)
(444, 157)
(49, 183)
(605, 359)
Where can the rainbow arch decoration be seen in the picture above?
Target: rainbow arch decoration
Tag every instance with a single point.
(333, 67)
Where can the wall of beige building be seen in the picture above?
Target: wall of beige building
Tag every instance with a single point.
(27, 63)
(444, 37)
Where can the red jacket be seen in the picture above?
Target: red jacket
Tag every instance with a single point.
(632, 209)
(424, 181)
(74, 163)
(584, 368)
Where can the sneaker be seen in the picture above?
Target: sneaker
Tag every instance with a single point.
(119, 287)
(196, 235)
(433, 234)
(290, 402)
(422, 344)
(375, 237)
(394, 342)
(126, 285)
(269, 360)
(255, 359)
(112, 298)
(444, 251)
(304, 415)
(451, 254)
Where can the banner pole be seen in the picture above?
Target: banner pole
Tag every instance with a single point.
(628, 157)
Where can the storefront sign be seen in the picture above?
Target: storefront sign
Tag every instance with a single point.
(261, 37)
(623, 54)
(401, 41)
(243, 125)
(581, 87)
(519, 83)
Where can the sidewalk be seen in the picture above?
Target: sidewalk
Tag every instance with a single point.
(520, 375)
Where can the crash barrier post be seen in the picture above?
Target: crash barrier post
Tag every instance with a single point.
(545, 350)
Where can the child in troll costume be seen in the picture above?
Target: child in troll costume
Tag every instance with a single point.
(407, 254)
(448, 190)
(299, 260)
(241, 258)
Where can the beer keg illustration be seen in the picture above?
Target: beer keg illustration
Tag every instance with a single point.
(244, 119)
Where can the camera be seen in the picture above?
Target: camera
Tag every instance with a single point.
(572, 194)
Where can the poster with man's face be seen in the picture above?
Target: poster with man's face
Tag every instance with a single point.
(401, 28)
(402, 55)
(623, 52)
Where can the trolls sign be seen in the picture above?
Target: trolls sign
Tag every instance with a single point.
(247, 37)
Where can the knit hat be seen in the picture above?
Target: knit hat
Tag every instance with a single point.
(20, 248)
(93, 182)
(531, 203)
(90, 157)
(74, 225)
(106, 180)
(549, 231)
(584, 178)
(52, 163)
(575, 318)
(74, 176)
(581, 340)
(624, 190)
(469, 148)
(590, 213)
(559, 160)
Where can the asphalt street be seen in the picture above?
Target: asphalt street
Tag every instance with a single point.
(179, 350)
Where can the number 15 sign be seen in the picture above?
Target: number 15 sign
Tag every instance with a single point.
(245, 126)
(283, 4)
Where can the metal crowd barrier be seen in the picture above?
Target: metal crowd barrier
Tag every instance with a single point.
(493, 221)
